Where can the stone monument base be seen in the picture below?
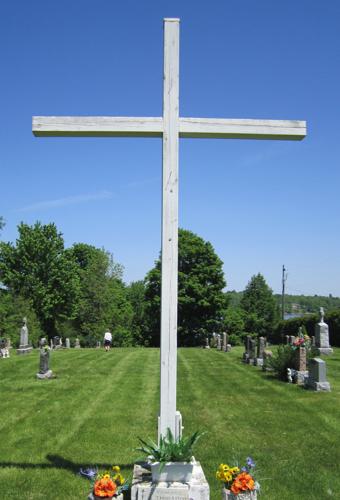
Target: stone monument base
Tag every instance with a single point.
(318, 386)
(92, 496)
(299, 377)
(245, 357)
(228, 347)
(43, 376)
(143, 489)
(24, 349)
(324, 350)
(258, 361)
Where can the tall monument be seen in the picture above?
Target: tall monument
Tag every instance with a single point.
(322, 335)
(24, 347)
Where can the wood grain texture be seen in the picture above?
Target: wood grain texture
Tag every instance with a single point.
(119, 126)
(97, 126)
(169, 229)
(242, 128)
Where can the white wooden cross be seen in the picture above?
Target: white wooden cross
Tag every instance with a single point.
(170, 127)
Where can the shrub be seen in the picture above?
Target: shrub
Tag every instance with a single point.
(283, 358)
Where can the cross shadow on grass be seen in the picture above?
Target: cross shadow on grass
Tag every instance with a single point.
(58, 462)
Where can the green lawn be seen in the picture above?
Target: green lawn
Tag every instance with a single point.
(100, 402)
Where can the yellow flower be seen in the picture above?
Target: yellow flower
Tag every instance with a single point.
(118, 478)
(234, 470)
(228, 476)
(106, 476)
(116, 468)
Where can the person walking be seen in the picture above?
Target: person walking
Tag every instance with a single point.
(107, 340)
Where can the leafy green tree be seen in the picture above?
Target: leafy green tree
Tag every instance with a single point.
(136, 297)
(103, 300)
(201, 301)
(259, 305)
(12, 310)
(38, 269)
(235, 325)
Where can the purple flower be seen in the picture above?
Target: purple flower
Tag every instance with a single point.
(244, 469)
(89, 473)
(250, 462)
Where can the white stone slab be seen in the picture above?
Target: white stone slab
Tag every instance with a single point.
(143, 488)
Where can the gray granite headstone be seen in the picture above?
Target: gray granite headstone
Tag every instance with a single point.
(261, 345)
(24, 347)
(44, 370)
(246, 349)
(219, 345)
(67, 343)
(207, 346)
(252, 351)
(225, 341)
(322, 336)
(77, 344)
(317, 375)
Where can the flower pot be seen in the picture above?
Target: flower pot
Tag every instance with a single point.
(180, 472)
(92, 496)
(246, 495)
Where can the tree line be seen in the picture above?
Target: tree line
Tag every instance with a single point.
(80, 292)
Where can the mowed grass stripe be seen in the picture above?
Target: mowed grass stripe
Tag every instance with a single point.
(100, 402)
(247, 413)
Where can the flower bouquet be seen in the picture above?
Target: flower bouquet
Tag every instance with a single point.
(239, 484)
(303, 341)
(107, 485)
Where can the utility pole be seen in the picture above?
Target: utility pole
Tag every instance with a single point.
(284, 278)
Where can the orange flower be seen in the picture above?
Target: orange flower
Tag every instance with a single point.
(242, 482)
(104, 487)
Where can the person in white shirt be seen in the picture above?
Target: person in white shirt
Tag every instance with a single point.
(107, 340)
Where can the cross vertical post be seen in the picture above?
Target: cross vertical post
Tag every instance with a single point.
(169, 256)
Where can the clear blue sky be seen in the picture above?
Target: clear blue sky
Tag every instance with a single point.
(260, 203)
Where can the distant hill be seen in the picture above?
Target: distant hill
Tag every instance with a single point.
(295, 304)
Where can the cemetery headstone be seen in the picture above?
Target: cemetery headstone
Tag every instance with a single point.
(322, 336)
(292, 339)
(247, 349)
(4, 351)
(24, 346)
(44, 370)
(225, 341)
(228, 347)
(300, 372)
(252, 351)
(77, 344)
(51, 344)
(67, 343)
(219, 345)
(261, 345)
(317, 375)
(57, 343)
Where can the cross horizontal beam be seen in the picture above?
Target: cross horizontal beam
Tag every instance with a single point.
(117, 126)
